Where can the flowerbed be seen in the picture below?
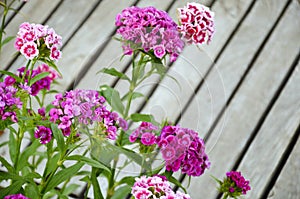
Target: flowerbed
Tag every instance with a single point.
(86, 132)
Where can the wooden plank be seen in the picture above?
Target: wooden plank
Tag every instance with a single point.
(243, 113)
(65, 20)
(287, 185)
(33, 12)
(269, 145)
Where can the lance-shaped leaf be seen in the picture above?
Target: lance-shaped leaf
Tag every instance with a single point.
(113, 98)
(38, 77)
(115, 73)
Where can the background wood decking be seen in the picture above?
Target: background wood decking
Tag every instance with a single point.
(241, 93)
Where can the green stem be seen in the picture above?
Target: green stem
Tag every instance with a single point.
(19, 142)
(3, 24)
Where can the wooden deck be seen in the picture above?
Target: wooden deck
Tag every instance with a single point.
(241, 93)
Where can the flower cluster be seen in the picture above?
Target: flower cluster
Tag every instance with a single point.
(86, 107)
(9, 101)
(150, 30)
(182, 148)
(16, 196)
(241, 185)
(36, 39)
(155, 187)
(43, 83)
(196, 23)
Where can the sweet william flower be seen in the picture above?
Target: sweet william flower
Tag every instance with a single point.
(196, 23)
(234, 185)
(29, 50)
(44, 134)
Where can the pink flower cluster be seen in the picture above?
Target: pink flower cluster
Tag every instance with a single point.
(43, 83)
(36, 39)
(145, 134)
(86, 107)
(182, 148)
(9, 102)
(44, 134)
(196, 23)
(149, 29)
(16, 196)
(155, 187)
(239, 181)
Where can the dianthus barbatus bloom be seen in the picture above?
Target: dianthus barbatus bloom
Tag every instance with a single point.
(87, 107)
(44, 134)
(155, 187)
(149, 29)
(182, 148)
(196, 23)
(16, 196)
(241, 184)
(35, 39)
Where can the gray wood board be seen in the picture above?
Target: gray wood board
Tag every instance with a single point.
(242, 114)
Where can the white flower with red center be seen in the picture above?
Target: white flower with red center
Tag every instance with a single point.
(55, 54)
(29, 50)
(39, 35)
(196, 23)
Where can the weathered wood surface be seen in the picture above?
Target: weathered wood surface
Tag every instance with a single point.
(240, 92)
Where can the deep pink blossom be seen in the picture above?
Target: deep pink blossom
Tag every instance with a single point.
(182, 148)
(149, 29)
(44, 134)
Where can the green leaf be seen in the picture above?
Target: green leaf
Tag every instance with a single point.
(96, 186)
(113, 98)
(51, 164)
(176, 182)
(114, 72)
(88, 161)
(58, 136)
(129, 180)
(63, 175)
(31, 190)
(12, 143)
(18, 79)
(7, 39)
(137, 158)
(9, 167)
(27, 153)
(160, 69)
(137, 117)
(7, 176)
(13, 188)
(122, 192)
(38, 77)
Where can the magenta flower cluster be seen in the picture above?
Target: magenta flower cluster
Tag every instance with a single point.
(16, 196)
(86, 107)
(149, 29)
(239, 181)
(43, 83)
(196, 23)
(182, 148)
(155, 187)
(9, 101)
(36, 39)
